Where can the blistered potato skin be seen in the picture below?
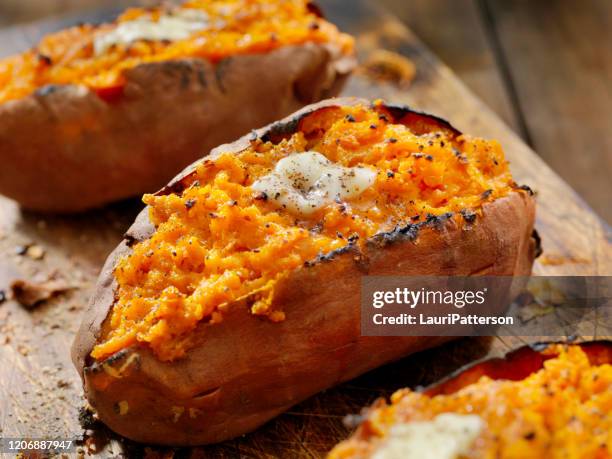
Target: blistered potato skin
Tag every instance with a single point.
(245, 370)
(66, 149)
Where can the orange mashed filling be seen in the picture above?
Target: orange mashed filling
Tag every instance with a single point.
(219, 242)
(560, 411)
(236, 27)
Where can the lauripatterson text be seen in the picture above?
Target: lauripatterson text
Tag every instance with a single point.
(446, 319)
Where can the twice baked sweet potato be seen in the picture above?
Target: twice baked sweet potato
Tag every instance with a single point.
(94, 114)
(543, 401)
(235, 294)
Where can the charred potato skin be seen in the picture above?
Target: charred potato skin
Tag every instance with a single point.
(246, 370)
(67, 148)
(516, 365)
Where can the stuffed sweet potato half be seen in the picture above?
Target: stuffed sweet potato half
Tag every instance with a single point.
(235, 294)
(548, 401)
(94, 114)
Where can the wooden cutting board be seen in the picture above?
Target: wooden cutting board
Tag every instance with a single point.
(40, 392)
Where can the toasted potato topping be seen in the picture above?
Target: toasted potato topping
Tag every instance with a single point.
(560, 411)
(220, 241)
(97, 56)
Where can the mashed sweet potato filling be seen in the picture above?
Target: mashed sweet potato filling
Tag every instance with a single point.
(232, 27)
(560, 411)
(220, 241)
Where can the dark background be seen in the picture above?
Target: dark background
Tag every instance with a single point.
(544, 66)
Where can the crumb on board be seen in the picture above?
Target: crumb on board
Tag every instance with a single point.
(384, 65)
(31, 294)
(31, 250)
(21, 249)
(35, 252)
(23, 349)
(87, 418)
(551, 259)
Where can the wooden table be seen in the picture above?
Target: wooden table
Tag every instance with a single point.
(544, 66)
(40, 391)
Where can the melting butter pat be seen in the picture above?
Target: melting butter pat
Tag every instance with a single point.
(305, 182)
(447, 436)
(175, 25)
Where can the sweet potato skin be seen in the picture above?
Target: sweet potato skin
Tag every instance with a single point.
(516, 365)
(246, 370)
(68, 148)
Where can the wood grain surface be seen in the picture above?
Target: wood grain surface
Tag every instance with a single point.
(561, 65)
(544, 67)
(40, 393)
(455, 31)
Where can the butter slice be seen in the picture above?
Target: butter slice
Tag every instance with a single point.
(447, 436)
(305, 182)
(179, 24)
